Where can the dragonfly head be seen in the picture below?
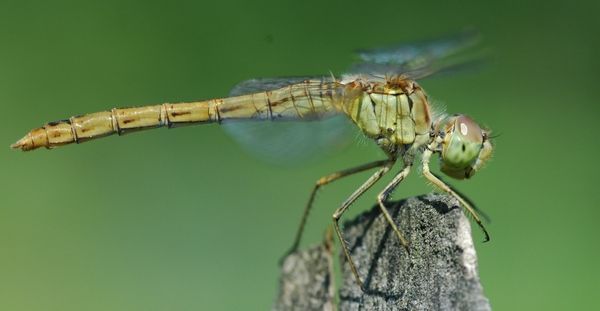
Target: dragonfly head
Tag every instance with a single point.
(465, 147)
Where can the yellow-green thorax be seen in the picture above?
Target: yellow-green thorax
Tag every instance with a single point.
(394, 113)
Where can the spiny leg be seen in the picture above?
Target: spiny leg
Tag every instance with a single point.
(338, 213)
(382, 197)
(441, 185)
(484, 216)
(324, 181)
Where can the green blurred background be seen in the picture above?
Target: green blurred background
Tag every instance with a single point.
(185, 220)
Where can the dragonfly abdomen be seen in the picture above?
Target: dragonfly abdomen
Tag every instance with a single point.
(85, 127)
(307, 100)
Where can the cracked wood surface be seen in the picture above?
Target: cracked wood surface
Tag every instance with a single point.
(439, 273)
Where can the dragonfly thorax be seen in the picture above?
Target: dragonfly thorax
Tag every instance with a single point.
(393, 114)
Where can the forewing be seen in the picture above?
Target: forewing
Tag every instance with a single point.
(420, 59)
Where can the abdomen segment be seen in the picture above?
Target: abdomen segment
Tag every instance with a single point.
(307, 100)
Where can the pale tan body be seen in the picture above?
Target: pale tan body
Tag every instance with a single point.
(393, 111)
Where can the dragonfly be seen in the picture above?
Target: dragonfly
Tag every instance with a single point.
(379, 94)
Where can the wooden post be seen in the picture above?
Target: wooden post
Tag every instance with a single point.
(439, 273)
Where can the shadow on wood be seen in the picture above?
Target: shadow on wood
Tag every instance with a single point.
(439, 273)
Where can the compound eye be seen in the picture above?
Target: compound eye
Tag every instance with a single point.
(467, 128)
(461, 147)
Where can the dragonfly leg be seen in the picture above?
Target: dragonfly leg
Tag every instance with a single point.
(324, 181)
(443, 186)
(484, 216)
(382, 197)
(338, 213)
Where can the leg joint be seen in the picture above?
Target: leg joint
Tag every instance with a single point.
(329, 178)
(336, 216)
(322, 181)
(381, 197)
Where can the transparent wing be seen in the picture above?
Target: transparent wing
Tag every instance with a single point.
(288, 142)
(407, 53)
(267, 84)
(421, 59)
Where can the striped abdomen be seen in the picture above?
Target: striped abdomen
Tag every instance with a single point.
(310, 100)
